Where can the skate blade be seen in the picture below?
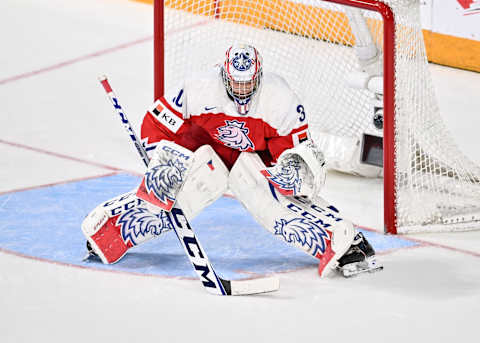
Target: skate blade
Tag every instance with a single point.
(370, 265)
(89, 257)
(86, 258)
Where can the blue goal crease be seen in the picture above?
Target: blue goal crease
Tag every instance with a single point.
(45, 223)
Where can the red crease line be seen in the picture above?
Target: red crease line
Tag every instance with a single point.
(67, 157)
(58, 183)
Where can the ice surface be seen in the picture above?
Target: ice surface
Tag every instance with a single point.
(58, 126)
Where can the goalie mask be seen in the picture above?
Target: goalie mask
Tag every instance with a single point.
(242, 73)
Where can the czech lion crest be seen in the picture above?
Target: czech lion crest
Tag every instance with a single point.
(235, 135)
(164, 179)
(304, 232)
(138, 222)
(285, 177)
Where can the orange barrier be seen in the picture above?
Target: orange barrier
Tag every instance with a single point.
(441, 49)
(452, 51)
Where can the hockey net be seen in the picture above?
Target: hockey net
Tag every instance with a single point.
(429, 184)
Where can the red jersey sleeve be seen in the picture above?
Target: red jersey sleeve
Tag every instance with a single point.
(162, 122)
(153, 131)
(277, 145)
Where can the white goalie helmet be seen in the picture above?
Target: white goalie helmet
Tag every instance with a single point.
(242, 74)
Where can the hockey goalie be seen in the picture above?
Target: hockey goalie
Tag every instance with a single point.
(232, 128)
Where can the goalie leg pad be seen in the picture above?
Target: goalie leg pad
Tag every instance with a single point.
(316, 228)
(119, 224)
(194, 179)
(207, 181)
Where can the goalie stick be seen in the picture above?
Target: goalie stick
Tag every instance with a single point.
(185, 234)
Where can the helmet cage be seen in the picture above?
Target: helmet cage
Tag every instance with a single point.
(242, 73)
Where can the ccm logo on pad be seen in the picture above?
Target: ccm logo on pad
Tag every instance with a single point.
(166, 116)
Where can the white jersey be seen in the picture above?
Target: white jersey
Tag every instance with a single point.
(276, 120)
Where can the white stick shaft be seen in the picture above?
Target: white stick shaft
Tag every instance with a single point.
(126, 124)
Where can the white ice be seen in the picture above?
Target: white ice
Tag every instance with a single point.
(52, 109)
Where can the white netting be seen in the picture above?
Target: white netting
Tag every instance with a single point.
(437, 186)
(310, 43)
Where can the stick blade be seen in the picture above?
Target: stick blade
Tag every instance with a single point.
(255, 286)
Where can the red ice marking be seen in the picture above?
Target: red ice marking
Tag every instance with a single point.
(115, 271)
(422, 243)
(75, 60)
(57, 183)
(66, 157)
(442, 246)
(92, 55)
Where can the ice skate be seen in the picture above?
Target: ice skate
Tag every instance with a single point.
(359, 258)
(91, 255)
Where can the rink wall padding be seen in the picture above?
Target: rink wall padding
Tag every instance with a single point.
(44, 223)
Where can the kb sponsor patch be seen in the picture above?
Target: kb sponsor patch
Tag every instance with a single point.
(166, 116)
